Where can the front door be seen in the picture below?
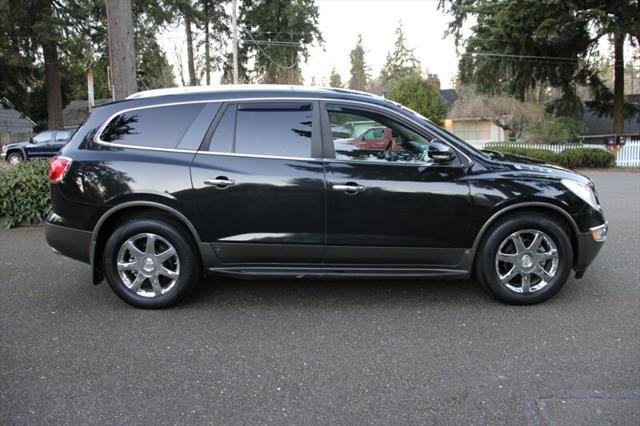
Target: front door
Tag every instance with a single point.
(393, 206)
(259, 183)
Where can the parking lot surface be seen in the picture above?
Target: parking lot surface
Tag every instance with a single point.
(323, 352)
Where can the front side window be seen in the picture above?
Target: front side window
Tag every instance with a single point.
(63, 135)
(157, 127)
(278, 129)
(376, 138)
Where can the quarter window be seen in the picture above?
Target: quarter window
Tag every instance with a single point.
(373, 137)
(157, 127)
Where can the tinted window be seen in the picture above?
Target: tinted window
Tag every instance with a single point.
(63, 135)
(42, 137)
(222, 139)
(159, 127)
(373, 137)
(282, 129)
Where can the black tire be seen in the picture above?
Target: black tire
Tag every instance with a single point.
(187, 256)
(16, 157)
(486, 264)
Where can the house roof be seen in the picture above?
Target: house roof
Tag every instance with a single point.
(450, 96)
(604, 125)
(12, 120)
(77, 110)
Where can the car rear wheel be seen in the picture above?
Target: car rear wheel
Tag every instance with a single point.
(525, 259)
(150, 263)
(14, 158)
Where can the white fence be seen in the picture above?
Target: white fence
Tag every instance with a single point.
(627, 156)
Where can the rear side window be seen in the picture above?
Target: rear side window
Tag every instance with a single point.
(275, 129)
(156, 127)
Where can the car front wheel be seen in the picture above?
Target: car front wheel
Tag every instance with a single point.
(525, 259)
(14, 158)
(150, 263)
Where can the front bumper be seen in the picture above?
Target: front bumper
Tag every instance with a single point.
(74, 243)
(3, 156)
(588, 247)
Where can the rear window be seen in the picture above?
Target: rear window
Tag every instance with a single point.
(156, 127)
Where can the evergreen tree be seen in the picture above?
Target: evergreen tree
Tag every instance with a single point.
(278, 35)
(359, 70)
(335, 80)
(517, 46)
(401, 62)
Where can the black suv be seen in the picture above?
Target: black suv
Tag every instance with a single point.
(279, 182)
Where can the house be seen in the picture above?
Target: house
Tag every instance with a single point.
(598, 130)
(77, 110)
(466, 125)
(14, 125)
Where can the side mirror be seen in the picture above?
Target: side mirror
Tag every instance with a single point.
(440, 152)
(31, 140)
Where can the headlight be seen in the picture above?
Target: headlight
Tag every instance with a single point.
(4, 148)
(583, 191)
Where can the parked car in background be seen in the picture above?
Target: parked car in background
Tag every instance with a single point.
(253, 182)
(42, 145)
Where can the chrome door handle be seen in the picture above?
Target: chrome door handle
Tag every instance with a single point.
(221, 182)
(349, 188)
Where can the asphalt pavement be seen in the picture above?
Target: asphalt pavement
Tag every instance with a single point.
(323, 352)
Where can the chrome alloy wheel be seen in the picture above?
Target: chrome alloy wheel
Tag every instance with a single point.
(527, 261)
(15, 159)
(148, 265)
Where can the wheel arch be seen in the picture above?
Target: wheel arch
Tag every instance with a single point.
(17, 149)
(534, 206)
(112, 217)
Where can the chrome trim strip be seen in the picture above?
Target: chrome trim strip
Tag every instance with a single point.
(99, 141)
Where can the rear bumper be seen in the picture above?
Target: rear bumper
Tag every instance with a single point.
(73, 243)
(588, 249)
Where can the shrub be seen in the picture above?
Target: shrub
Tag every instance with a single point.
(418, 94)
(586, 158)
(572, 158)
(555, 131)
(24, 193)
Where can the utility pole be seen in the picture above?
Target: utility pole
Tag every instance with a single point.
(122, 55)
(234, 23)
(618, 87)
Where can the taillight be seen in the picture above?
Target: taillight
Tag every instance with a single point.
(58, 166)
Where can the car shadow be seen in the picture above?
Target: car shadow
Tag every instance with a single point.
(335, 292)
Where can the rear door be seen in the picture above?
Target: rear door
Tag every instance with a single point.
(259, 181)
(60, 140)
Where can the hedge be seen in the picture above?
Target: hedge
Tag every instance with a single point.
(572, 158)
(24, 193)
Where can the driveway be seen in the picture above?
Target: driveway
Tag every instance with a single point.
(323, 352)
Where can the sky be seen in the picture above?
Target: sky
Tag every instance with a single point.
(340, 23)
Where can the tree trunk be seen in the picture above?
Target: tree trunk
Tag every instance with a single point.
(618, 86)
(54, 89)
(122, 52)
(190, 61)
